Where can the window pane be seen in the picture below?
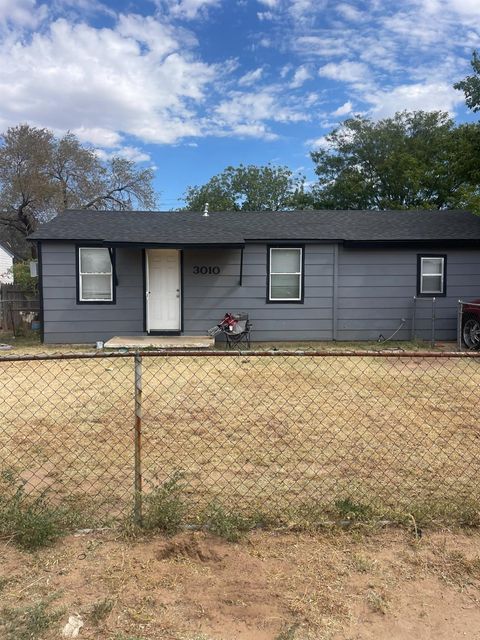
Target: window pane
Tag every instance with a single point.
(285, 260)
(432, 266)
(286, 286)
(432, 284)
(95, 261)
(96, 288)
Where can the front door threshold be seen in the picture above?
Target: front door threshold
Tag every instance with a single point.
(160, 342)
(164, 333)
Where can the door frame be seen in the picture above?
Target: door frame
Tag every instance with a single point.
(145, 302)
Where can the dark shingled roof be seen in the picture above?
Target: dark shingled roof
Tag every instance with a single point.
(236, 228)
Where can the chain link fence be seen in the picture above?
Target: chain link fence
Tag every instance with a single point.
(272, 432)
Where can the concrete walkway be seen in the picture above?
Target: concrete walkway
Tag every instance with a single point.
(160, 342)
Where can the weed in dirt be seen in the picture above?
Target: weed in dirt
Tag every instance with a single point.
(461, 511)
(377, 602)
(25, 623)
(288, 633)
(349, 509)
(164, 509)
(28, 520)
(3, 583)
(100, 610)
(455, 567)
(225, 524)
(361, 564)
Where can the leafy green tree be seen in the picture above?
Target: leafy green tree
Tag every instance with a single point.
(471, 84)
(22, 277)
(249, 188)
(42, 175)
(411, 161)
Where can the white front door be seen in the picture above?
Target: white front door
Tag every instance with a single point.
(163, 290)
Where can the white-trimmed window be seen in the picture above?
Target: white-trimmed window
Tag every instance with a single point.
(431, 277)
(285, 277)
(95, 275)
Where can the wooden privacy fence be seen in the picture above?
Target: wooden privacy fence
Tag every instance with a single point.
(17, 308)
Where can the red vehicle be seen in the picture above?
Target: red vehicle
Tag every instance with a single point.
(471, 324)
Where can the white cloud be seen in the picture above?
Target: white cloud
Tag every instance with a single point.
(265, 15)
(22, 13)
(346, 71)
(97, 136)
(129, 153)
(251, 77)
(301, 75)
(466, 8)
(349, 12)
(251, 130)
(323, 46)
(270, 3)
(262, 105)
(139, 78)
(302, 8)
(188, 9)
(318, 143)
(310, 99)
(249, 113)
(344, 110)
(426, 97)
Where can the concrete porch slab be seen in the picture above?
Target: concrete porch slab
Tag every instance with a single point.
(160, 342)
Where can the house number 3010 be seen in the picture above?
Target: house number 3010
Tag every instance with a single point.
(206, 271)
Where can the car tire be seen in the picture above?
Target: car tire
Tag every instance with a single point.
(471, 332)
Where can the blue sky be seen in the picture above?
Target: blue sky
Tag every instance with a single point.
(191, 86)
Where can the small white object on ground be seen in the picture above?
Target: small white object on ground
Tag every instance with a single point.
(5, 347)
(73, 626)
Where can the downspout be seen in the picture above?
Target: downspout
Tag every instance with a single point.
(335, 294)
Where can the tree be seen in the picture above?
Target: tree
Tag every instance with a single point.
(471, 85)
(248, 188)
(41, 176)
(411, 161)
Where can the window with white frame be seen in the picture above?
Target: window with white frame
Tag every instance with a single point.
(95, 275)
(285, 277)
(431, 275)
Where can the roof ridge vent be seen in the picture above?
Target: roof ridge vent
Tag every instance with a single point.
(205, 210)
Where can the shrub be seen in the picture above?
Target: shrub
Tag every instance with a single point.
(25, 623)
(22, 277)
(225, 524)
(100, 611)
(28, 520)
(355, 511)
(164, 508)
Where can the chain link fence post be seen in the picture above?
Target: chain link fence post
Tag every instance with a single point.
(137, 513)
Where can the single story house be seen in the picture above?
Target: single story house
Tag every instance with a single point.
(6, 264)
(300, 275)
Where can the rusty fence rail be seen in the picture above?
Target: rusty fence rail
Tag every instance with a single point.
(272, 432)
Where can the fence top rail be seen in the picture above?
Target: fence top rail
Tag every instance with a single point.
(469, 304)
(238, 353)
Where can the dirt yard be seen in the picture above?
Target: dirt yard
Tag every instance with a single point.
(284, 586)
(254, 433)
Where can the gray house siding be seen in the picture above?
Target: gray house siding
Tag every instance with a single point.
(65, 321)
(376, 289)
(349, 294)
(208, 297)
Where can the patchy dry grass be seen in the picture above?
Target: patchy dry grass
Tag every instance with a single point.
(299, 439)
(267, 587)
